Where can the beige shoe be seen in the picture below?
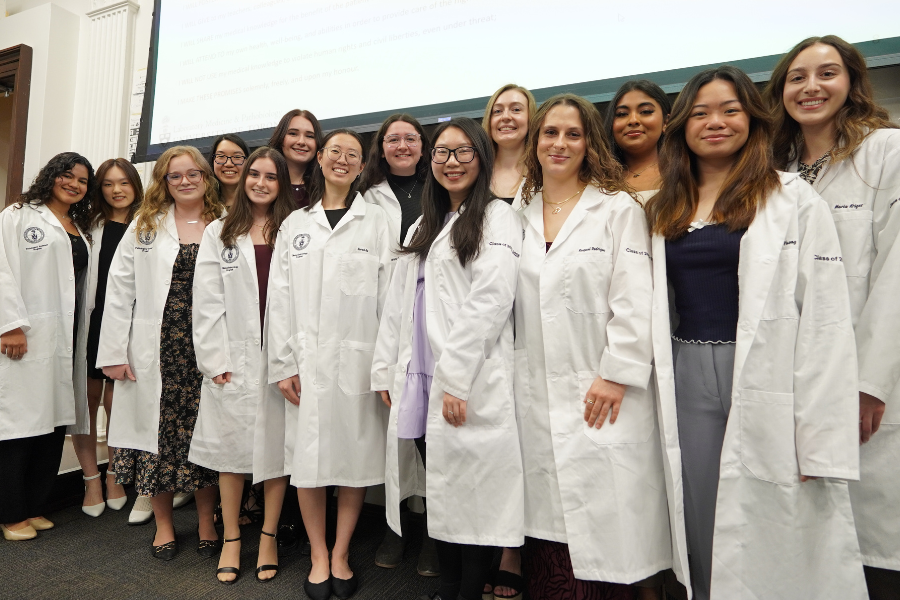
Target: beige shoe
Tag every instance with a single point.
(26, 533)
(40, 523)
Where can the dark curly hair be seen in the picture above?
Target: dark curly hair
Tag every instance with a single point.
(41, 189)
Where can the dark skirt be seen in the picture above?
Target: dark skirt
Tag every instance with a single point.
(550, 576)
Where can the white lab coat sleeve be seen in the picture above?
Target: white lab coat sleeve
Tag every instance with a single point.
(280, 324)
(13, 313)
(487, 306)
(210, 329)
(826, 403)
(629, 351)
(387, 345)
(119, 307)
(878, 328)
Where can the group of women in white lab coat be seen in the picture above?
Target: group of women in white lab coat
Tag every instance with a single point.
(685, 386)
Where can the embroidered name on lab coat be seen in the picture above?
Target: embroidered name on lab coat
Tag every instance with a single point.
(514, 253)
(829, 258)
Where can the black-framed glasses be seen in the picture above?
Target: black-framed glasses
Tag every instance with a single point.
(193, 176)
(236, 160)
(334, 153)
(463, 154)
(411, 139)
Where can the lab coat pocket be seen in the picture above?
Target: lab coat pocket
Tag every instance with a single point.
(522, 383)
(780, 303)
(490, 402)
(41, 338)
(587, 283)
(855, 233)
(355, 367)
(238, 354)
(359, 274)
(144, 342)
(447, 288)
(635, 422)
(768, 447)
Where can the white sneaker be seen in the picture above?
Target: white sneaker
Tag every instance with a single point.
(181, 498)
(141, 512)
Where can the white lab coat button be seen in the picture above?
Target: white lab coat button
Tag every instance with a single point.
(71, 277)
(166, 282)
(256, 342)
(257, 381)
(68, 349)
(70, 313)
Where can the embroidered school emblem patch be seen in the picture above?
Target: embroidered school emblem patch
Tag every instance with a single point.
(301, 241)
(230, 254)
(33, 235)
(146, 237)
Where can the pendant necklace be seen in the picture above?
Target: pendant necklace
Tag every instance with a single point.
(638, 174)
(558, 205)
(409, 193)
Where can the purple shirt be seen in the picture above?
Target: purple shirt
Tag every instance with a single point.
(413, 410)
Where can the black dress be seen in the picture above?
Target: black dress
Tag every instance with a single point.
(170, 471)
(112, 235)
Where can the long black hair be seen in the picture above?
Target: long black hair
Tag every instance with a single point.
(468, 230)
(377, 169)
(317, 179)
(646, 86)
(41, 189)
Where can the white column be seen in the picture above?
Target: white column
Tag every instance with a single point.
(106, 102)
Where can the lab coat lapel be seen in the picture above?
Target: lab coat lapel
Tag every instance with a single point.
(589, 199)
(169, 225)
(761, 247)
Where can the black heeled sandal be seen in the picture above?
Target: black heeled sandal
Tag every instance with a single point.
(235, 570)
(267, 567)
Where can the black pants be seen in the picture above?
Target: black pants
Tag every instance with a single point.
(464, 568)
(28, 468)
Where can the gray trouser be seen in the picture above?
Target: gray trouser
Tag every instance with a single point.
(703, 374)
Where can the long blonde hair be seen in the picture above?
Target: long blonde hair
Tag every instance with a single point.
(157, 200)
(486, 119)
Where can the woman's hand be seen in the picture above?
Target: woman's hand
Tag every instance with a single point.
(604, 397)
(223, 378)
(119, 372)
(14, 344)
(386, 397)
(454, 410)
(871, 410)
(290, 389)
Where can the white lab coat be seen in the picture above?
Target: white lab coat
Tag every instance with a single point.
(410, 470)
(37, 293)
(326, 293)
(794, 410)
(474, 474)
(863, 194)
(583, 310)
(136, 293)
(227, 338)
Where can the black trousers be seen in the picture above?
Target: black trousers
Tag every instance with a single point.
(28, 468)
(464, 568)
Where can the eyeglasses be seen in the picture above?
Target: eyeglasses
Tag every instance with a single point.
(236, 160)
(411, 139)
(334, 153)
(463, 154)
(193, 176)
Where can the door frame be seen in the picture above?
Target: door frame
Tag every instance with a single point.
(16, 62)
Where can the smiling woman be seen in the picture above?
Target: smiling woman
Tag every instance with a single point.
(298, 136)
(44, 273)
(844, 144)
(757, 381)
(506, 122)
(227, 156)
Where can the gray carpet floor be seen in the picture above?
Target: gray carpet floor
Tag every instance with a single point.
(94, 559)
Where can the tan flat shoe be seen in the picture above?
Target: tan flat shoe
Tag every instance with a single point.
(40, 523)
(26, 533)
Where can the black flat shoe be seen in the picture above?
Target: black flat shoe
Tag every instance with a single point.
(165, 551)
(344, 588)
(227, 570)
(317, 591)
(209, 548)
(266, 567)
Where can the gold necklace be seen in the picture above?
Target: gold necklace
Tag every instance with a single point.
(558, 205)
(636, 175)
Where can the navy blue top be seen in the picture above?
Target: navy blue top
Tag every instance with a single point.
(702, 267)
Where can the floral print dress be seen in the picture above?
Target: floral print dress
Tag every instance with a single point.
(170, 471)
